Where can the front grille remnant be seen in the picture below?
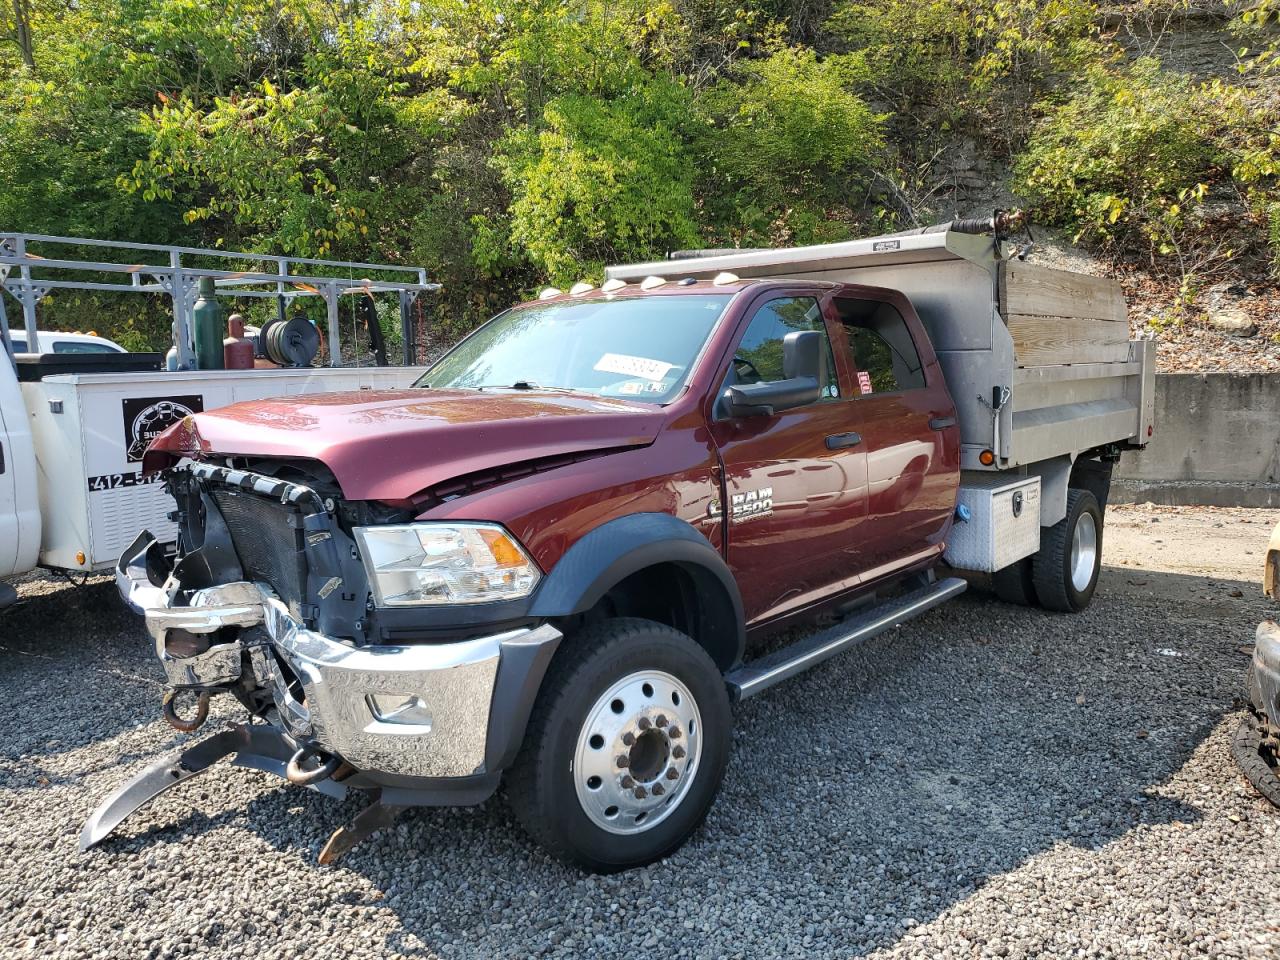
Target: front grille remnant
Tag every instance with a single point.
(268, 538)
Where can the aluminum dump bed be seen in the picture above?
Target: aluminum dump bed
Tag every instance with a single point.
(1050, 347)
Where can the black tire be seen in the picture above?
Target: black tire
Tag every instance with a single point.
(1052, 568)
(1015, 584)
(541, 786)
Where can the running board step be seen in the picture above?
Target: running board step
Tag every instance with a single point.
(751, 678)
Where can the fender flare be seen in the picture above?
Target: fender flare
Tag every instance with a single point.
(614, 550)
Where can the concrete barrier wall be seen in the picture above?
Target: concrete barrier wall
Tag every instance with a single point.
(1217, 442)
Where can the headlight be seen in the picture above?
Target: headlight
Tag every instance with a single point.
(437, 563)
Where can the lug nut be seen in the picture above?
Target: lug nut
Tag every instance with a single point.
(644, 723)
(641, 793)
(623, 760)
(627, 782)
(672, 773)
(678, 753)
(674, 733)
(659, 789)
(661, 720)
(628, 738)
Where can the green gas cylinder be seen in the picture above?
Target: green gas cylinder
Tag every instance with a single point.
(207, 316)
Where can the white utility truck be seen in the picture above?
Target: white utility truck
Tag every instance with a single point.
(73, 427)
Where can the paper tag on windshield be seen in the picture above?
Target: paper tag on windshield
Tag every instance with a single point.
(633, 366)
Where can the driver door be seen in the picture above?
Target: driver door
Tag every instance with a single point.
(795, 482)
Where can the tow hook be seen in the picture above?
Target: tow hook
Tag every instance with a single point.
(171, 717)
(301, 776)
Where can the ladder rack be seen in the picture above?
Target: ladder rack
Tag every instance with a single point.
(29, 270)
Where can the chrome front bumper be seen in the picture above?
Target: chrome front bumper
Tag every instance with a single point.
(455, 683)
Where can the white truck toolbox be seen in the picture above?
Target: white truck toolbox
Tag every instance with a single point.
(1003, 525)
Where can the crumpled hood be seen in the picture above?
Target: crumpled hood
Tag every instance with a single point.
(392, 444)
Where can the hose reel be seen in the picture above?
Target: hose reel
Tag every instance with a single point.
(290, 343)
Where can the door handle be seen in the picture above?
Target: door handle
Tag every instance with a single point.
(838, 441)
(941, 423)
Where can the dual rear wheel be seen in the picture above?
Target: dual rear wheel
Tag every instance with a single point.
(1063, 574)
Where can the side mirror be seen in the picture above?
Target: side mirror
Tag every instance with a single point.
(805, 369)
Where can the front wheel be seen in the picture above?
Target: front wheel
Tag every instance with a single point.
(626, 746)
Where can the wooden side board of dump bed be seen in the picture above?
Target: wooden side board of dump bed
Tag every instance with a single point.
(1057, 317)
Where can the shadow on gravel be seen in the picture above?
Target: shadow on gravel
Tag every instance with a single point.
(863, 798)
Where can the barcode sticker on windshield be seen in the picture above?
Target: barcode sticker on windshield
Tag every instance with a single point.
(633, 366)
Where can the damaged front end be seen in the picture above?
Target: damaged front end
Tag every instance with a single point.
(268, 600)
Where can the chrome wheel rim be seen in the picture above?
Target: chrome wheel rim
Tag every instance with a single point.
(638, 752)
(1084, 551)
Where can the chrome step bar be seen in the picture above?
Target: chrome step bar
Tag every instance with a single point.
(758, 675)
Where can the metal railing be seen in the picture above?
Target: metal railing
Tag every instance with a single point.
(29, 275)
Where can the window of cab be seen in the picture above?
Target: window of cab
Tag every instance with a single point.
(885, 358)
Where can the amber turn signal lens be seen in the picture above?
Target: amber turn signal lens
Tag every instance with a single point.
(505, 552)
(986, 458)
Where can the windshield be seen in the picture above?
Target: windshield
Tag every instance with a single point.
(639, 348)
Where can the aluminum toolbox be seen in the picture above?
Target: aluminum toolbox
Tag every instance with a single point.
(1003, 525)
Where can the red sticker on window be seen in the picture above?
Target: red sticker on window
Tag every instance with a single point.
(864, 381)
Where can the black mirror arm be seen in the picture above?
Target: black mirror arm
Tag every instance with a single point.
(765, 399)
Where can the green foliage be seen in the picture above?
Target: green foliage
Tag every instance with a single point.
(1137, 158)
(915, 51)
(602, 181)
(790, 143)
(507, 144)
(939, 62)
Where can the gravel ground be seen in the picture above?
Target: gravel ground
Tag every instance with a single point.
(988, 781)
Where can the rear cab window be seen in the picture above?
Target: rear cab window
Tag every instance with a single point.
(885, 358)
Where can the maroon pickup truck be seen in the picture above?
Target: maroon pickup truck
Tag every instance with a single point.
(551, 559)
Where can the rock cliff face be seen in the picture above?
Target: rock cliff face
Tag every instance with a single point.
(1197, 41)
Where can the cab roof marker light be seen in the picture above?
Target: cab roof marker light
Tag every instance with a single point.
(611, 285)
(652, 283)
(548, 292)
(581, 287)
(724, 277)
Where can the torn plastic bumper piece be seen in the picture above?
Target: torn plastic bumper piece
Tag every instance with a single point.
(258, 747)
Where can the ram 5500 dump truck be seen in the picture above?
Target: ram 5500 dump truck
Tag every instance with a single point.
(553, 559)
